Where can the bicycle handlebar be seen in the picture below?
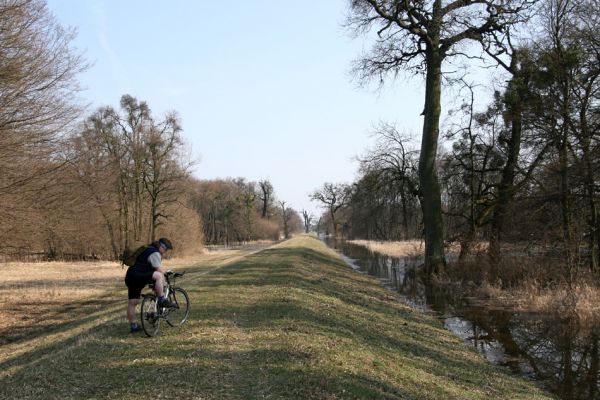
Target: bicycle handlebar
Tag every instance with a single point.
(174, 274)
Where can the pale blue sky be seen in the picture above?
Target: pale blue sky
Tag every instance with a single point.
(262, 87)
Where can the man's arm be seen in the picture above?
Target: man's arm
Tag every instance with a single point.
(156, 261)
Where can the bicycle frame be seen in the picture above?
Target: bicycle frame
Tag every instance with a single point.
(152, 316)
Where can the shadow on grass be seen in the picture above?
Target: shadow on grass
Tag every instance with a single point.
(43, 316)
(363, 330)
(246, 375)
(126, 371)
(50, 317)
(304, 269)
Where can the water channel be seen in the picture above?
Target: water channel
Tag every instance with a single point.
(550, 351)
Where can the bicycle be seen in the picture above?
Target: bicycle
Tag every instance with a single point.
(152, 314)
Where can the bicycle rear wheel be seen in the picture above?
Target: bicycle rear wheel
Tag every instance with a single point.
(178, 315)
(149, 315)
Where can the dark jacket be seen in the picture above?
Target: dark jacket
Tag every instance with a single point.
(142, 263)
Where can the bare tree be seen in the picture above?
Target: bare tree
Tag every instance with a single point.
(333, 197)
(285, 218)
(146, 161)
(421, 35)
(228, 211)
(319, 226)
(134, 127)
(393, 163)
(470, 171)
(38, 104)
(557, 16)
(166, 168)
(586, 125)
(519, 102)
(93, 168)
(307, 217)
(246, 198)
(266, 197)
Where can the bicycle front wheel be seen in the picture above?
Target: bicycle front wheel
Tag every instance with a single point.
(150, 315)
(178, 315)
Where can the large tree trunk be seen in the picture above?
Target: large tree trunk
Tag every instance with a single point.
(405, 216)
(589, 183)
(333, 222)
(432, 205)
(589, 178)
(565, 202)
(506, 189)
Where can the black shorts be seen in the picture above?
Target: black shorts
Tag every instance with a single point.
(136, 280)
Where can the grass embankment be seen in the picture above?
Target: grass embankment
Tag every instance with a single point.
(292, 321)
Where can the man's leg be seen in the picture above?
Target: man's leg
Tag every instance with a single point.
(131, 310)
(159, 283)
(159, 287)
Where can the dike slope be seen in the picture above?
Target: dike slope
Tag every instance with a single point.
(289, 322)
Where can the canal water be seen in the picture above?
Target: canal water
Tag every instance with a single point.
(548, 350)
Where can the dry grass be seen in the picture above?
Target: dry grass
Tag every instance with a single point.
(71, 280)
(579, 303)
(535, 285)
(57, 280)
(406, 248)
(411, 248)
(37, 296)
(33, 296)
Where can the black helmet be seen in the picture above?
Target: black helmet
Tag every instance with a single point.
(166, 242)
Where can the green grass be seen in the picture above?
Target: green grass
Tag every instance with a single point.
(292, 321)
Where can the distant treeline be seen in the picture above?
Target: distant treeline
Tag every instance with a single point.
(78, 185)
(234, 210)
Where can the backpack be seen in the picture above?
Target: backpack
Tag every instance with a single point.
(132, 252)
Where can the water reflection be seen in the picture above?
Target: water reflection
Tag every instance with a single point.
(551, 351)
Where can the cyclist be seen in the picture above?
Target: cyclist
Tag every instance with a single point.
(147, 269)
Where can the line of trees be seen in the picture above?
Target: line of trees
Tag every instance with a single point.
(523, 170)
(78, 184)
(38, 106)
(135, 170)
(235, 211)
